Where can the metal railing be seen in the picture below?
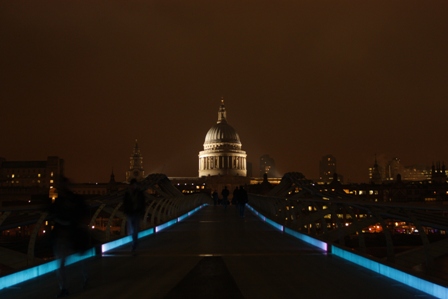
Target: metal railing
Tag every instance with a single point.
(25, 230)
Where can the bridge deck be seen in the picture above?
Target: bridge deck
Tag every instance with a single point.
(216, 254)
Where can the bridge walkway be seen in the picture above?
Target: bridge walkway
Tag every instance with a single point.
(217, 254)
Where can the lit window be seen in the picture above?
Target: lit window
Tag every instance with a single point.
(51, 181)
(51, 174)
(38, 175)
(12, 175)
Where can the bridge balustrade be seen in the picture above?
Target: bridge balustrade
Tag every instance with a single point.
(25, 231)
(345, 223)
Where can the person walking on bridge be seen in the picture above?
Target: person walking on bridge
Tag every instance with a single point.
(243, 198)
(134, 208)
(235, 199)
(69, 234)
(225, 196)
(215, 197)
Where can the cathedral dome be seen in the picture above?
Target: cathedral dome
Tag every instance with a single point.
(222, 154)
(222, 132)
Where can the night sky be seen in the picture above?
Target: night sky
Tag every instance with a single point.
(301, 79)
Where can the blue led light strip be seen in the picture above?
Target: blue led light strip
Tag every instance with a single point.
(307, 239)
(165, 225)
(27, 274)
(24, 275)
(392, 273)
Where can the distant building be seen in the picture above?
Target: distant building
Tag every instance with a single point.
(327, 169)
(188, 185)
(136, 170)
(25, 178)
(398, 191)
(263, 185)
(249, 169)
(416, 173)
(388, 170)
(375, 173)
(98, 189)
(222, 154)
(438, 174)
(90, 189)
(267, 166)
(393, 169)
(222, 163)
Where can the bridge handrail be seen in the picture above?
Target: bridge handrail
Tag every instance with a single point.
(107, 206)
(430, 285)
(318, 218)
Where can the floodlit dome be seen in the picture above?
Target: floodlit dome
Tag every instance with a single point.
(222, 154)
(222, 135)
(222, 132)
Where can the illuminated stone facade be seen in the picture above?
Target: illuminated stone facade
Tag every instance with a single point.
(222, 154)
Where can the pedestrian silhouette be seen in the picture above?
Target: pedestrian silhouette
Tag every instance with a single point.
(134, 208)
(215, 197)
(243, 198)
(70, 232)
(225, 196)
(235, 199)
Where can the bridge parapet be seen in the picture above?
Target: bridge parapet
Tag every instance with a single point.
(25, 231)
(348, 223)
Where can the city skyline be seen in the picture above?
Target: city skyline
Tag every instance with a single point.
(300, 81)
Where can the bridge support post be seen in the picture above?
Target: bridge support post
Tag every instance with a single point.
(428, 257)
(388, 236)
(109, 223)
(97, 212)
(33, 238)
(361, 240)
(4, 216)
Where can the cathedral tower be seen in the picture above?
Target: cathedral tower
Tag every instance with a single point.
(136, 165)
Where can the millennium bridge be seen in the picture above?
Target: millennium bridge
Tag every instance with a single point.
(294, 241)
